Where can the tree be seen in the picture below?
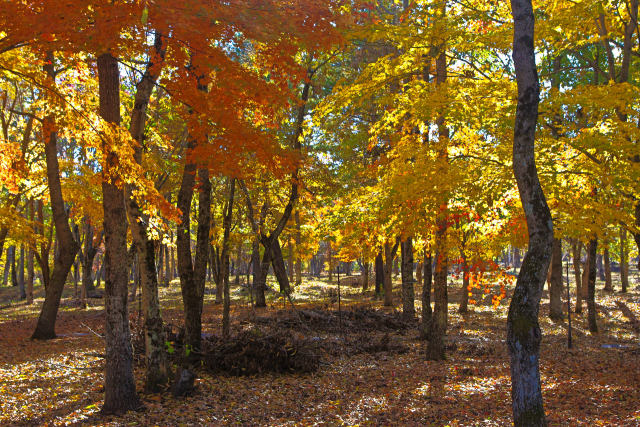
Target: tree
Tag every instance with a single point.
(523, 330)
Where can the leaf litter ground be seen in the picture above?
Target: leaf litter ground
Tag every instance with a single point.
(369, 372)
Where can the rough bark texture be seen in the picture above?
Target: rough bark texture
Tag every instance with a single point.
(523, 329)
(298, 236)
(591, 287)
(63, 260)
(120, 386)
(555, 284)
(425, 327)
(408, 293)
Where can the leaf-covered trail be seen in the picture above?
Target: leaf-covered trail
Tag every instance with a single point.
(60, 381)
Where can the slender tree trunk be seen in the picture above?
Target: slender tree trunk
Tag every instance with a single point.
(379, 270)
(624, 260)
(555, 284)
(290, 260)
(365, 275)
(523, 329)
(228, 216)
(425, 327)
(408, 293)
(298, 266)
(120, 386)
(600, 264)
(30, 256)
(23, 292)
(464, 297)
(591, 297)
(279, 269)
(258, 280)
(68, 246)
(577, 254)
(157, 368)
(608, 283)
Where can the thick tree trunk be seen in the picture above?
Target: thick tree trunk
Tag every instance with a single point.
(408, 293)
(425, 327)
(591, 296)
(389, 256)
(608, 283)
(120, 386)
(365, 275)
(279, 269)
(523, 329)
(624, 261)
(68, 246)
(555, 284)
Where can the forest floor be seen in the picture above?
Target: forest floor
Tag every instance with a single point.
(597, 382)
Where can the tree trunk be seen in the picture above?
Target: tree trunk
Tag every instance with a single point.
(279, 269)
(464, 296)
(298, 266)
(228, 216)
(379, 270)
(192, 275)
(555, 284)
(120, 386)
(624, 261)
(365, 275)
(290, 260)
(389, 256)
(259, 279)
(23, 292)
(523, 329)
(425, 327)
(600, 267)
(608, 283)
(576, 248)
(591, 296)
(30, 256)
(68, 246)
(408, 293)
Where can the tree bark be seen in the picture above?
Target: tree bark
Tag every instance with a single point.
(464, 297)
(157, 367)
(389, 256)
(624, 261)
(576, 248)
(379, 270)
(408, 293)
(68, 246)
(555, 284)
(365, 275)
(30, 256)
(120, 386)
(523, 329)
(591, 296)
(608, 283)
(298, 266)
(425, 327)
(228, 216)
